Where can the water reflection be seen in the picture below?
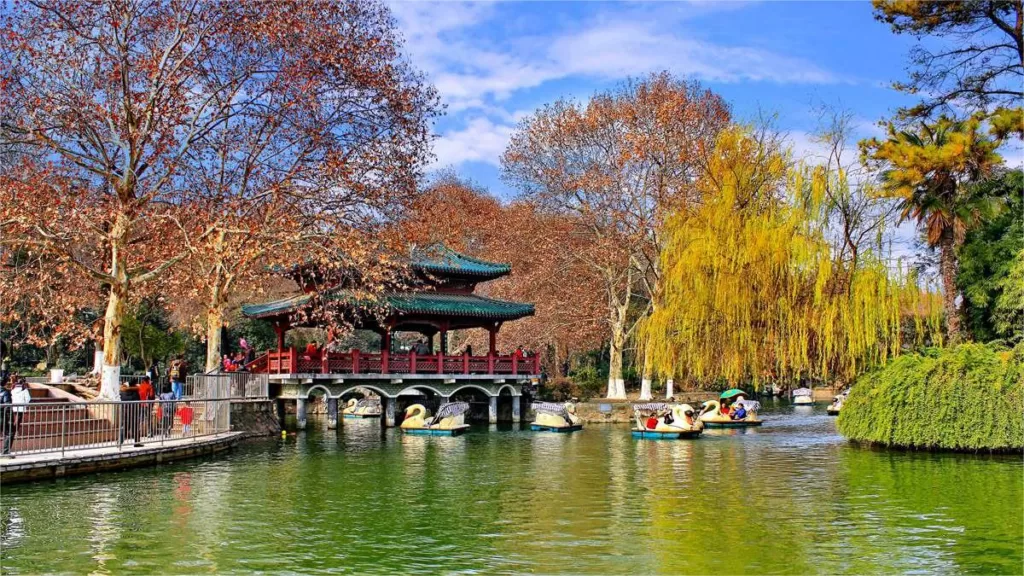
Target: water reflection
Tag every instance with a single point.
(789, 497)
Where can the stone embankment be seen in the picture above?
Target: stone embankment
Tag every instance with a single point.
(254, 417)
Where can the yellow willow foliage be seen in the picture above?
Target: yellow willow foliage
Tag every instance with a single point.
(751, 290)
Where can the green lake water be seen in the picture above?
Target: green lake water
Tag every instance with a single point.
(790, 497)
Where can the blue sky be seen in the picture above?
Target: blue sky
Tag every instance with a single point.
(494, 63)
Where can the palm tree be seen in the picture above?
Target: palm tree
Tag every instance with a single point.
(932, 169)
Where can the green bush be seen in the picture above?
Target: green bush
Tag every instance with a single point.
(970, 398)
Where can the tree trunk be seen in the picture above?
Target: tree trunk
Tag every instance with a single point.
(214, 322)
(948, 269)
(110, 381)
(616, 385)
(215, 306)
(670, 386)
(645, 379)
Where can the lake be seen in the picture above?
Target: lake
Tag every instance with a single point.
(790, 497)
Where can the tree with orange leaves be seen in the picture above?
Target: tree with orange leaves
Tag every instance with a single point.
(618, 165)
(540, 249)
(122, 117)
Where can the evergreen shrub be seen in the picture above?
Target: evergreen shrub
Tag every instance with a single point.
(967, 398)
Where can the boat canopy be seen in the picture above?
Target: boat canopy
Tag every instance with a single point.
(732, 393)
(802, 392)
(373, 402)
(652, 407)
(451, 409)
(748, 404)
(551, 408)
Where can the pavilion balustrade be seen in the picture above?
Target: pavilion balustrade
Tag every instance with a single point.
(292, 361)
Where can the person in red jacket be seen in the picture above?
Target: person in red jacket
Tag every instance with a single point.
(186, 413)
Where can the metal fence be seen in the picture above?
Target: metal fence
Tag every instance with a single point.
(226, 385)
(47, 427)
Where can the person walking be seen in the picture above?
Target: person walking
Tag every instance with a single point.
(5, 417)
(154, 374)
(21, 397)
(129, 411)
(177, 372)
(146, 395)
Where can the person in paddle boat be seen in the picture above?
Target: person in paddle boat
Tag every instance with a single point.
(667, 418)
(731, 409)
(739, 413)
(556, 416)
(837, 404)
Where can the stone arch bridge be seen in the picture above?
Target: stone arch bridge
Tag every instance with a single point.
(502, 395)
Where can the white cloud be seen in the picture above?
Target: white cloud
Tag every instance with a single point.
(472, 67)
(478, 58)
(480, 141)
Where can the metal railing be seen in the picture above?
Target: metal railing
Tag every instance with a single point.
(49, 427)
(236, 385)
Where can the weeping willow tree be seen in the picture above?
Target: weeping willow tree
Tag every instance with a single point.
(752, 290)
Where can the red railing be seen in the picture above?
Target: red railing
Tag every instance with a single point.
(291, 361)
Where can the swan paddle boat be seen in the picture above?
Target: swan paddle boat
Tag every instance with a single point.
(837, 404)
(660, 421)
(803, 396)
(556, 417)
(363, 408)
(450, 420)
(719, 413)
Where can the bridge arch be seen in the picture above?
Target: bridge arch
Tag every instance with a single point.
(511, 390)
(475, 387)
(379, 391)
(320, 387)
(422, 387)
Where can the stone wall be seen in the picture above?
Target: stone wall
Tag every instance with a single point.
(254, 417)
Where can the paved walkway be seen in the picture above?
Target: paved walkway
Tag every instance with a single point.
(84, 460)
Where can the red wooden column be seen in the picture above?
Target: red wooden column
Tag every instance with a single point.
(412, 360)
(355, 361)
(442, 347)
(385, 350)
(280, 328)
(492, 347)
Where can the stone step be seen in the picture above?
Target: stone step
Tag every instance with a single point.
(51, 413)
(39, 429)
(70, 440)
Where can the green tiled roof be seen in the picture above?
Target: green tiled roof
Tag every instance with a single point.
(426, 303)
(440, 259)
(471, 305)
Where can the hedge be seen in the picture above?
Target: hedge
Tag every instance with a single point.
(968, 398)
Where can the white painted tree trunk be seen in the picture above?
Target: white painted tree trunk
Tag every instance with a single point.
(616, 385)
(670, 388)
(97, 360)
(645, 382)
(110, 378)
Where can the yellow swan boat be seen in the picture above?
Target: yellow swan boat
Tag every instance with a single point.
(658, 420)
(712, 416)
(364, 408)
(555, 417)
(450, 420)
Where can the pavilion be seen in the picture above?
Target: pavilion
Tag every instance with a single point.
(442, 299)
